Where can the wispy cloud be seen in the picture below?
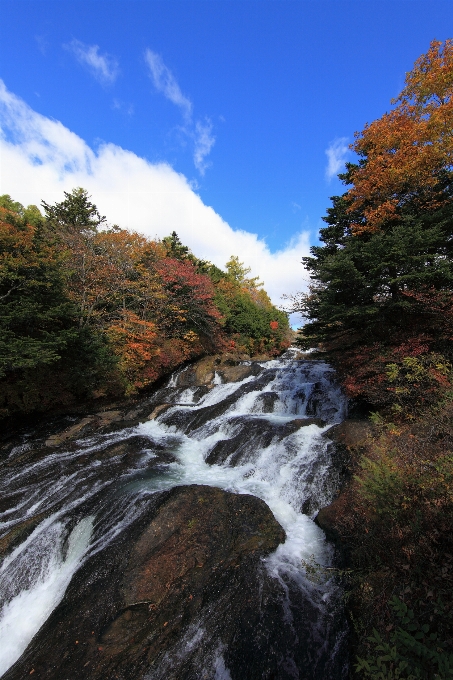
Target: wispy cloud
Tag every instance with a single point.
(200, 132)
(165, 82)
(42, 43)
(103, 67)
(204, 141)
(336, 154)
(124, 107)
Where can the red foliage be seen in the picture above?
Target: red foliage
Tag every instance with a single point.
(192, 299)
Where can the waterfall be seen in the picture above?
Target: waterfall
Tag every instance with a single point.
(263, 435)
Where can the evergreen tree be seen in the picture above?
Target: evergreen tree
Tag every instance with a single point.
(35, 313)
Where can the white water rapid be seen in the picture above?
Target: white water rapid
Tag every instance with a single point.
(262, 436)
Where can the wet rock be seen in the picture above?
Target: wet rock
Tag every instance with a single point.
(301, 395)
(319, 403)
(305, 422)
(19, 533)
(70, 432)
(238, 373)
(229, 366)
(188, 420)
(201, 373)
(252, 435)
(315, 400)
(232, 358)
(200, 392)
(351, 433)
(133, 447)
(108, 417)
(261, 358)
(330, 519)
(266, 401)
(350, 439)
(133, 414)
(195, 557)
(158, 409)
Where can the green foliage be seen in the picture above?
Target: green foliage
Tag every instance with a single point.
(249, 317)
(238, 273)
(362, 280)
(75, 213)
(35, 313)
(175, 248)
(382, 485)
(382, 278)
(13, 206)
(380, 305)
(412, 651)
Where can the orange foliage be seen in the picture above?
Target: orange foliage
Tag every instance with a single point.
(407, 150)
(134, 342)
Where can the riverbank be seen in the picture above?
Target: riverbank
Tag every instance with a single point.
(392, 525)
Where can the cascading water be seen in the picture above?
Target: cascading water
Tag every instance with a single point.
(261, 436)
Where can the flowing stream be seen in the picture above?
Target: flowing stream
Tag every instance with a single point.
(234, 436)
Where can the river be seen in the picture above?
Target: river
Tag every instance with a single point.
(263, 435)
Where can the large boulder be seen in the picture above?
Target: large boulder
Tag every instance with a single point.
(191, 563)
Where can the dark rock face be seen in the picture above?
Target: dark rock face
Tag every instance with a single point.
(189, 567)
(266, 401)
(350, 438)
(62, 431)
(258, 432)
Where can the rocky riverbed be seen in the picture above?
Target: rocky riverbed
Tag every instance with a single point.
(173, 537)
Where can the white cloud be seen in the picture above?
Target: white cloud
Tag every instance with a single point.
(102, 66)
(204, 141)
(41, 158)
(336, 154)
(165, 82)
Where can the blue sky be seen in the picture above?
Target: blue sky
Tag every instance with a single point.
(218, 117)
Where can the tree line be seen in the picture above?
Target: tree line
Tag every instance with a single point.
(89, 309)
(380, 305)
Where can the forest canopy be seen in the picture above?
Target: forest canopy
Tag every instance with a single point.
(91, 309)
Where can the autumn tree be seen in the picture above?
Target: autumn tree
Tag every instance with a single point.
(174, 248)
(406, 156)
(387, 248)
(190, 306)
(45, 358)
(74, 224)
